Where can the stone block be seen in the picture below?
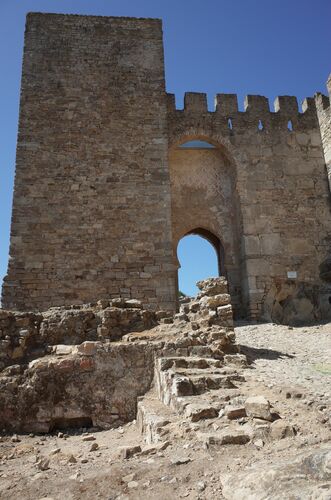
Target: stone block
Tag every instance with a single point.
(258, 407)
(252, 245)
(270, 244)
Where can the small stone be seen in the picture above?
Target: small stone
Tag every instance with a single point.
(226, 436)
(88, 348)
(60, 435)
(180, 460)
(167, 321)
(133, 484)
(15, 439)
(75, 476)
(196, 412)
(129, 451)
(201, 486)
(89, 437)
(94, 447)
(55, 451)
(128, 477)
(258, 407)
(281, 429)
(234, 412)
(147, 450)
(71, 460)
(258, 443)
(134, 304)
(43, 464)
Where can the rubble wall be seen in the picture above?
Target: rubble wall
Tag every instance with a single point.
(87, 365)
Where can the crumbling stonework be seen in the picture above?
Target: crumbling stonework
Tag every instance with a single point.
(83, 366)
(104, 192)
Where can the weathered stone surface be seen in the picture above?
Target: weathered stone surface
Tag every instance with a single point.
(129, 451)
(234, 412)
(258, 407)
(27, 335)
(225, 437)
(198, 411)
(77, 389)
(306, 477)
(215, 301)
(92, 378)
(111, 189)
(213, 286)
(281, 429)
(325, 270)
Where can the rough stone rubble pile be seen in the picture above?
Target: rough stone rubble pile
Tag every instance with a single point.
(89, 365)
(28, 335)
(203, 396)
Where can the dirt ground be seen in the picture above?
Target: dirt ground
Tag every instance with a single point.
(289, 366)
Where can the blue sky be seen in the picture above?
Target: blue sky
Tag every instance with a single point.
(268, 47)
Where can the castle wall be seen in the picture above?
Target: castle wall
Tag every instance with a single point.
(103, 193)
(324, 118)
(282, 190)
(91, 213)
(203, 197)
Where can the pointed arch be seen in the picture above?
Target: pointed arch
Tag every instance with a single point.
(214, 241)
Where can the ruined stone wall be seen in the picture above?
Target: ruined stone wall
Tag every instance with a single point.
(283, 196)
(91, 213)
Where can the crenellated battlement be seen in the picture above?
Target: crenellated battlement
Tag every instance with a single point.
(322, 101)
(256, 108)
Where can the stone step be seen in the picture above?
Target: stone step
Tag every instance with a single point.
(154, 419)
(218, 398)
(165, 363)
(225, 436)
(178, 377)
(187, 372)
(200, 384)
(199, 410)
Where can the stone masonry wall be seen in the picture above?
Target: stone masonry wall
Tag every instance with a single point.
(91, 213)
(324, 117)
(203, 196)
(283, 193)
(103, 194)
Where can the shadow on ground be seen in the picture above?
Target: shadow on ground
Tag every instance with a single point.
(254, 353)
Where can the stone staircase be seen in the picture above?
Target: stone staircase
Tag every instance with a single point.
(197, 395)
(190, 398)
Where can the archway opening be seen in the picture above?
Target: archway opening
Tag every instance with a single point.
(200, 255)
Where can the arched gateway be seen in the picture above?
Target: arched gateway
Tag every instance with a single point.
(204, 202)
